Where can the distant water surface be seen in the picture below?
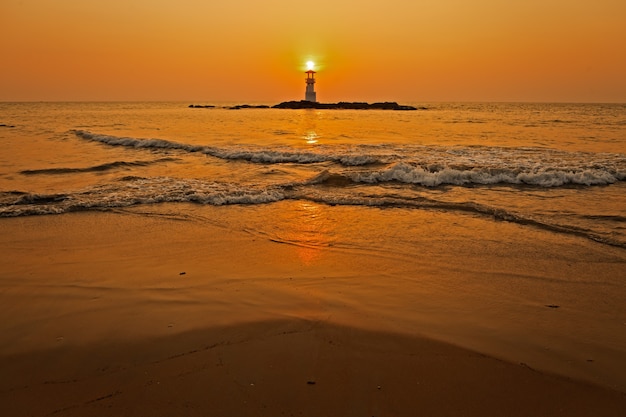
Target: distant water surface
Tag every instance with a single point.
(559, 167)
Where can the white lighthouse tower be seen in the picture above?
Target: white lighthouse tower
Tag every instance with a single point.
(310, 95)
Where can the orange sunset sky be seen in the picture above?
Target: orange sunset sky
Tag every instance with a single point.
(253, 50)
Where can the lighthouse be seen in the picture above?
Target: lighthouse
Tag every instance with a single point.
(310, 95)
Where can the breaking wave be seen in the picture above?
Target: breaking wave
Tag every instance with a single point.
(130, 191)
(428, 166)
(539, 176)
(274, 155)
(386, 175)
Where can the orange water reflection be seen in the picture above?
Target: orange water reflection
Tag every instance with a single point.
(311, 232)
(311, 137)
(308, 126)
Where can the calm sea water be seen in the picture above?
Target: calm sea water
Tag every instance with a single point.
(559, 167)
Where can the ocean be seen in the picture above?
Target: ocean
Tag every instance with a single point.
(556, 167)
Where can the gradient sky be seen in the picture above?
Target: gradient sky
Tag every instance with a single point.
(253, 50)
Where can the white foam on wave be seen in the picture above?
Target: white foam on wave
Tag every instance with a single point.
(429, 166)
(136, 143)
(544, 177)
(267, 156)
(133, 191)
(256, 154)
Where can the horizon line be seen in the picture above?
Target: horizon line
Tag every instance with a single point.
(274, 101)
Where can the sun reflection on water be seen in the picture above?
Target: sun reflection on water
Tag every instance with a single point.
(308, 126)
(311, 233)
(311, 137)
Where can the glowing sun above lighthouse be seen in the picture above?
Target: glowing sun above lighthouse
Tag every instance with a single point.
(310, 65)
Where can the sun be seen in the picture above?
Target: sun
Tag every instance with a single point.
(310, 65)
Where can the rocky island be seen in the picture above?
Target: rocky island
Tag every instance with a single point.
(304, 104)
(237, 107)
(342, 105)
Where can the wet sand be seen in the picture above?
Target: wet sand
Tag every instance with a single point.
(218, 312)
(289, 368)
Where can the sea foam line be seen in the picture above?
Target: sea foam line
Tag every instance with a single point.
(250, 154)
(429, 166)
(135, 191)
(549, 176)
(132, 191)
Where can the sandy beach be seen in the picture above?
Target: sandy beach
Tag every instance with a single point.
(201, 310)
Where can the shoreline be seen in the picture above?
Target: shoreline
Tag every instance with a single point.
(100, 306)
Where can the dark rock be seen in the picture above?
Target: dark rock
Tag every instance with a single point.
(303, 104)
(248, 106)
(342, 105)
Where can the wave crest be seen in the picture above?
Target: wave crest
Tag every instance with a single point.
(133, 191)
(274, 155)
(543, 177)
(430, 166)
